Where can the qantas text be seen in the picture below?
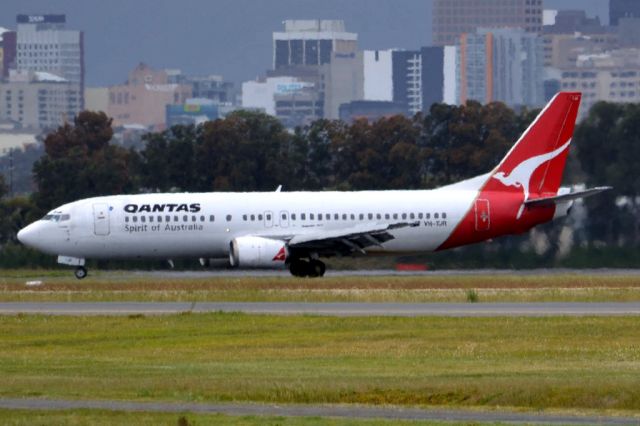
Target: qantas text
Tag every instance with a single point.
(161, 208)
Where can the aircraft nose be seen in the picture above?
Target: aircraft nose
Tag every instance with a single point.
(28, 235)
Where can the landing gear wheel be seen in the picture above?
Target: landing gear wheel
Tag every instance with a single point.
(299, 268)
(316, 268)
(80, 272)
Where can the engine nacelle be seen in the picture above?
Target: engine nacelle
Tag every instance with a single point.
(257, 252)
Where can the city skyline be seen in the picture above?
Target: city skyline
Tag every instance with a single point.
(166, 34)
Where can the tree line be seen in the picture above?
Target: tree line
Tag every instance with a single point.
(252, 151)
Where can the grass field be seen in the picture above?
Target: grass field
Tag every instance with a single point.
(121, 286)
(574, 364)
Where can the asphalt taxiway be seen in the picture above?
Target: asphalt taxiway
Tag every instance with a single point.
(334, 411)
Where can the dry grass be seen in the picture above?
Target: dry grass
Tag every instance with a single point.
(120, 286)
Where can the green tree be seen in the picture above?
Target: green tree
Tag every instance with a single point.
(608, 145)
(15, 213)
(468, 140)
(79, 162)
(246, 151)
(3, 187)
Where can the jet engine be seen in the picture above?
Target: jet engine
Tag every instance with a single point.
(257, 252)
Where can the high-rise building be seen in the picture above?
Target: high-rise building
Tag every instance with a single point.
(45, 45)
(8, 53)
(143, 98)
(343, 82)
(413, 78)
(212, 87)
(573, 33)
(454, 17)
(2, 32)
(311, 42)
(500, 65)
(38, 100)
(418, 78)
(623, 9)
(610, 77)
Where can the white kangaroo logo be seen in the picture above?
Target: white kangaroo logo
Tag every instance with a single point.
(520, 176)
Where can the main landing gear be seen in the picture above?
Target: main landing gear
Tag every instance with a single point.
(80, 272)
(303, 268)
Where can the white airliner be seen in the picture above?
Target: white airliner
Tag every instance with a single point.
(296, 229)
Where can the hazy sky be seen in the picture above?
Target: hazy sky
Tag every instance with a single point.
(228, 37)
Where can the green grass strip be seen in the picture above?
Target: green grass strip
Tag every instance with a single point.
(562, 363)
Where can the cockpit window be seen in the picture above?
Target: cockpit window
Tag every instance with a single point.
(65, 217)
(48, 217)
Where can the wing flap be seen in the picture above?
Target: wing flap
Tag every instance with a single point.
(347, 240)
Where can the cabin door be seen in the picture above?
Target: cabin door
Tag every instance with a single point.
(101, 219)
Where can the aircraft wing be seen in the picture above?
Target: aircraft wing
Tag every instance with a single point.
(565, 197)
(347, 240)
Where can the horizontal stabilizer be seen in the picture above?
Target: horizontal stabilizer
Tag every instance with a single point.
(565, 197)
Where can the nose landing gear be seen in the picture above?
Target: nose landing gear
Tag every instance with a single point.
(80, 272)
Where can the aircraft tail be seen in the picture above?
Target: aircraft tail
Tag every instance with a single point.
(538, 158)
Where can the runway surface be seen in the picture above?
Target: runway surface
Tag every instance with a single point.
(343, 411)
(329, 309)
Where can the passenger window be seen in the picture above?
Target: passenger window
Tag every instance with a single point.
(311, 216)
(175, 218)
(436, 215)
(353, 216)
(404, 215)
(143, 219)
(419, 215)
(370, 216)
(193, 219)
(150, 219)
(336, 216)
(303, 216)
(126, 219)
(327, 216)
(201, 218)
(185, 218)
(378, 216)
(293, 216)
(244, 217)
(361, 216)
(159, 218)
(135, 218)
(395, 215)
(260, 217)
(386, 216)
(319, 216)
(229, 217)
(428, 215)
(253, 217)
(344, 216)
(444, 215)
(284, 216)
(412, 216)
